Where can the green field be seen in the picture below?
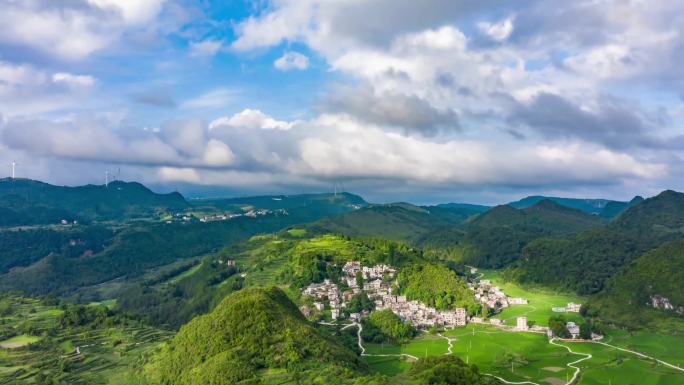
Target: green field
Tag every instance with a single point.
(611, 366)
(538, 310)
(510, 355)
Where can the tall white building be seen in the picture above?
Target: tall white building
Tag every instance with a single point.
(521, 323)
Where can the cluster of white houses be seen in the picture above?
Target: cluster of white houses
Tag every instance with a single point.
(493, 296)
(377, 284)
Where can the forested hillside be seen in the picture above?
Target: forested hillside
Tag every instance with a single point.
(253, 330)
(585, 262)
(497, 237)
(399, 221)
(652, 281)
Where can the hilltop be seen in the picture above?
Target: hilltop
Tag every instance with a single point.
(249, 331)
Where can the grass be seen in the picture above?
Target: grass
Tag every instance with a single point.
(297, 232)
(388, 366)
(540, 301)
(668, 348)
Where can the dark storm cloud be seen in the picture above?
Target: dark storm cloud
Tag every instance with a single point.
(613, 123)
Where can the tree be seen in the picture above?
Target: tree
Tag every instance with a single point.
(359, 279)
(557, 326)
(585, 330)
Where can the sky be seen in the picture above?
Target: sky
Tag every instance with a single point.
(397, 100)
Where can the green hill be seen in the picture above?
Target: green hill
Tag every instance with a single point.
(398, 221)
(497, 237)
(27, 202)
(128, 253)
(257, 335)
(586, 262)
(654, 275)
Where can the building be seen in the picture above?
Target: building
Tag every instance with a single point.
(573, 329)
(521, 323)
(319, 305)
(517, 301)
(334, 314)
(573, 307)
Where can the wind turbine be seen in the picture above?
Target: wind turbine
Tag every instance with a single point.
(14, 165)
(106, 179)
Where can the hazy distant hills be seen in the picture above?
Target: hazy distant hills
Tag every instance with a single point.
(602, 207)
(605, 208)
(26, 202)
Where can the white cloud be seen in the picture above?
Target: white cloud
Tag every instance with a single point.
(217, 98)
(71, 79)
(25, 89)
(291, 61)
(178, 174)
(72, 29)
(209, 47)
(497, 31)
(251, 119)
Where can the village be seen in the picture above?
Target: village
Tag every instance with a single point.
(379, 284)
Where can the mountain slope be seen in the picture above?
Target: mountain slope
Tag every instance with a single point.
(252, 330)
(652, 280)
(497, 237)
(33, 202)
(398, 221)
(587, 261)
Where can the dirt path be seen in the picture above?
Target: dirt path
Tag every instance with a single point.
(587, 356)
(642, 355)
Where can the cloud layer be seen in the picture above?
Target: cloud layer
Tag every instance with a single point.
(580, 97)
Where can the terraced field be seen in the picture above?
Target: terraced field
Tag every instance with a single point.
(102, 355)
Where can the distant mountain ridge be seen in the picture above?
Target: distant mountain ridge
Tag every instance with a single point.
(605, 208)
(395, 221)
(25, 201)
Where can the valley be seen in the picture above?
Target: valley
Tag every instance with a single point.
(385, 294)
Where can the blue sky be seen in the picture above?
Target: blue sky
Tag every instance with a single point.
(433, 101)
